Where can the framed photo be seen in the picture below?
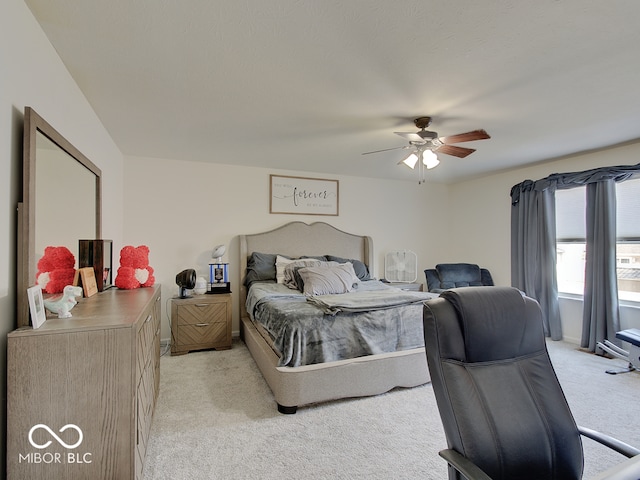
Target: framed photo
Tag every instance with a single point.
(36, 306)
(304, 196)
(86, 278)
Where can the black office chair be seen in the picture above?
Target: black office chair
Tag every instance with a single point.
(503, 411)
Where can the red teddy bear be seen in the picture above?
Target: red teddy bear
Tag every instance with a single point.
(56, 269)
(134, 270)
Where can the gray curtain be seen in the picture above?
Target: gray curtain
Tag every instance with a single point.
(533, 249)
(601, 315)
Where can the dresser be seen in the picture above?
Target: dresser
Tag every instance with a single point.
(81, 391)
(200, 322)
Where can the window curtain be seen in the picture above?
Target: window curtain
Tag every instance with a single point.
(601, 313)
(533, 249)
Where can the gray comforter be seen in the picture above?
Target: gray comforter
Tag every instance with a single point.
(308, 330)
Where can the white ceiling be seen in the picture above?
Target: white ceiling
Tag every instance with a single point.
(309, 85)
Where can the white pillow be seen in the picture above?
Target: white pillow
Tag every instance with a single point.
(283, 262)
(328, 280)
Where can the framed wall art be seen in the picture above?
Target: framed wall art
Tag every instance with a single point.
(304, 196)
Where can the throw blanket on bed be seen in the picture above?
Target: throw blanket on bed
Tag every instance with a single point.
(364, 301)
(304, 334)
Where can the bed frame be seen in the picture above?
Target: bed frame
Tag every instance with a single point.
(359, 377)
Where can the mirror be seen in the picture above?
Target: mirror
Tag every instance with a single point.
(61, 201)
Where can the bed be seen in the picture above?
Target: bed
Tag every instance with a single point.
(320, 381)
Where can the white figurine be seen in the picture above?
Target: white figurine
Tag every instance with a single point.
(63, 305)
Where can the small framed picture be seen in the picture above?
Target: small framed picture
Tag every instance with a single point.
(86, 278)
(36, 306)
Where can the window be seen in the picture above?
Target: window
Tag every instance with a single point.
(571, 243)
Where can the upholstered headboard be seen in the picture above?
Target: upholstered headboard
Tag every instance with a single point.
(298, 238)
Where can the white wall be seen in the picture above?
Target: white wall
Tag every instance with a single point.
(33, 75)
(182, 209)
(481, 223)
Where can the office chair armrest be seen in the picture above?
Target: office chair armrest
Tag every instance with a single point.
(462, 464)
(613, 443)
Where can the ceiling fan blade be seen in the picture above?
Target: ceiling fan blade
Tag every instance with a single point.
(460, 152)
(411, 136)
(466, 137)
(385, 150)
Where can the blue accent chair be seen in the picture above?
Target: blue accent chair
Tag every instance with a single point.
(454, 275)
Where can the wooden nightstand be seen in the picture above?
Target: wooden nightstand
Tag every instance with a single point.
(200, 322)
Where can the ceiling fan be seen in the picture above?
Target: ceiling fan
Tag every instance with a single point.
(424, 145)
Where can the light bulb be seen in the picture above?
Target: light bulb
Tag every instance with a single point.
(411, 160)
(430, 159)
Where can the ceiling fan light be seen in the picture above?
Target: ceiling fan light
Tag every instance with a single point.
(430, 159)
(411, 160)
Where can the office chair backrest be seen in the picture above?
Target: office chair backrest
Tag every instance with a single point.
(498, 396)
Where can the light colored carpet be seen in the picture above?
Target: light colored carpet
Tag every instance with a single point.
(216, 419)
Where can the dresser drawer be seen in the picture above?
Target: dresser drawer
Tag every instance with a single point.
(144, 347)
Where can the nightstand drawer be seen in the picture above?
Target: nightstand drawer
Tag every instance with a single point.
(199, 313)
(211, 334)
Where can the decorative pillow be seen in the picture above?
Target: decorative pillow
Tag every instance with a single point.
(291, 278)
(360, 268)
(260, 267)
(282, 262)
(329, 279)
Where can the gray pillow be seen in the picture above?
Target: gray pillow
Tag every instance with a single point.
(260, 267)
(328, 280)
(291, 278)
(360, 268)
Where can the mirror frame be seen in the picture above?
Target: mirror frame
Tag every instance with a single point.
(27, 265)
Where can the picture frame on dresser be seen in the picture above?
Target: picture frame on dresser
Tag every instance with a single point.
(86, 278)
(36, 306)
